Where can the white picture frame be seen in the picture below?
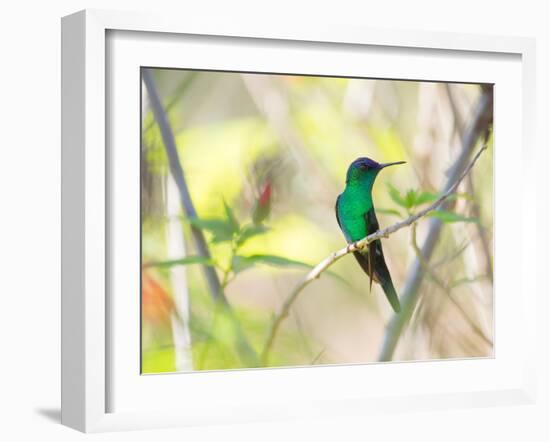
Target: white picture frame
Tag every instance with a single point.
(87, 203)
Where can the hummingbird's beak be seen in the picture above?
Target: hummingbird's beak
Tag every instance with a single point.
(391, 164)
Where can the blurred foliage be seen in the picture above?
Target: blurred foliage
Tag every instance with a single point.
(265, 157)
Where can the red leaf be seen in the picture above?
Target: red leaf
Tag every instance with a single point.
(156, 304)
(265, 195)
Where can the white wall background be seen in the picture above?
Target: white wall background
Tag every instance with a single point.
(30, 215)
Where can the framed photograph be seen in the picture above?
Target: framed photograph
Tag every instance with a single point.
(236, 246)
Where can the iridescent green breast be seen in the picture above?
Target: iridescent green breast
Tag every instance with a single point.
(351, 208)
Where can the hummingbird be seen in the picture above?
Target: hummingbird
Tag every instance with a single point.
(357, 219)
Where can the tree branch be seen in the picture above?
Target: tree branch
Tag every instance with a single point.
(353, 247)
(244, 348)
(459, 130)
(179, 177)
(481, 118)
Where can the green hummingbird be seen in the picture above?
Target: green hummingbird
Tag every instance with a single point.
(356, 217)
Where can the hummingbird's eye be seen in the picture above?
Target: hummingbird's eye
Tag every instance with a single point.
(364, 166)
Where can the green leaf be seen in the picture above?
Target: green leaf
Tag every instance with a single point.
(182, 261)
(277, 261)
(389, 212)
(241, 263)
(450, 217)
(396, 196)
(231, 219)
(249, 232)
(410, 199)
(221, 229)
(429, 197)
(425, 197)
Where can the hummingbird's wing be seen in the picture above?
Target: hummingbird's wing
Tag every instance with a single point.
(377, 263)
(336, 211)
(367, 258)
(365, 261)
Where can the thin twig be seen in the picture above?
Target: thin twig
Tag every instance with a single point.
(354, 247)
(482, 233)
(454, 255)
(318, 357)
(446, 289)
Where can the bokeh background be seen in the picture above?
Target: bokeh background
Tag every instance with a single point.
(276, 148)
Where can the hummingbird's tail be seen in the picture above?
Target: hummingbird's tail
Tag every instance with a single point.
(391, 294)
(374, 265)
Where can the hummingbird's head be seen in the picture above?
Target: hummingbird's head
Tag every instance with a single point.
(364, 170)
